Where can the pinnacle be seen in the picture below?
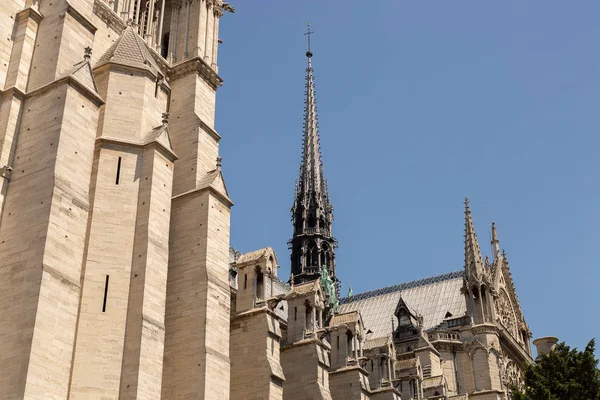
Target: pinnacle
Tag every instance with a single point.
(473, 258)
(494, 233)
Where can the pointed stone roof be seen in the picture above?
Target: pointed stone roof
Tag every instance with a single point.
(256, 255)
(82, 71)
(345, 318)
(83, 75)
(473, 258)
(160, 135)
(216, 181)
(311, 167)
(132, 51)
(312, 213)
(305, 288)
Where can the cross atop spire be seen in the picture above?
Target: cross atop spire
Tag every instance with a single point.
(308, 33)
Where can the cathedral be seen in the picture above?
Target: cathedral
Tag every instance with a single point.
(117, 277)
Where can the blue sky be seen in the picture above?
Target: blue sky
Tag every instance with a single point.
(421, 104)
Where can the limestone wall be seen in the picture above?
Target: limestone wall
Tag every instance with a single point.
(42, 236)
(256, 371)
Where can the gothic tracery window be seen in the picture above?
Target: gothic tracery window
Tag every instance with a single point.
(505, 314)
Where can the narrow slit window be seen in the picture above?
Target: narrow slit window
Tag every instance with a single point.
(245, 280)
(105, 294)
(295, 313)
(118, 170)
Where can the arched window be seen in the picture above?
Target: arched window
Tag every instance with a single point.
(349, 346)
(312, 220)
(308, 318)
(312, 255)
(325, 254)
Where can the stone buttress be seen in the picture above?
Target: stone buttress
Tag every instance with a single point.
(256, 371)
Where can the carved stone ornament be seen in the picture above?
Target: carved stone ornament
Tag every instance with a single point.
(108, 16)
(512, 376)
(505, 314)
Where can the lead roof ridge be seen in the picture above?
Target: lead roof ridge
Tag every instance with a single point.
(403, 286)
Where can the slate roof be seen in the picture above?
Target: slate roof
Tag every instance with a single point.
(432, 298)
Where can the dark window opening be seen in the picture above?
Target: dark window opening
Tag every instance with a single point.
(164, 48)
(295, 313)
(118, 170)
(105, 294)
(245, 281)
(260, 284)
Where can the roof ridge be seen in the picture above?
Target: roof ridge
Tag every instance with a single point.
(403, 286)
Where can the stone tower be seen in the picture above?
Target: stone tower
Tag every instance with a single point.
(114, 215)
(312, 243)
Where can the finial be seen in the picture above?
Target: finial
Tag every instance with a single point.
(219, 159)
(308, 33)
(291, 280)
(87, 53)
(467, 209)
(494, 233)
(165, 118)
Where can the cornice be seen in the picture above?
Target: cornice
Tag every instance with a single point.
(196, 65)
(125, 68)
(484, 328)
(30, 12)
(15, 92)
(209, 130)
(166, 151)
(86, 23)
(224, 199)
(72, 81)
(108, 16)
(513, 346)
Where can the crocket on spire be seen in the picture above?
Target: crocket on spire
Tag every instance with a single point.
(473, 259)
(312, 243)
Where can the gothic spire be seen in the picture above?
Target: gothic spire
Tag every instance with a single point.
(473, 259)
(312, 244)
(311, 167)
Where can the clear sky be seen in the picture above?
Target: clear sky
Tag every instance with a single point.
(421, 104)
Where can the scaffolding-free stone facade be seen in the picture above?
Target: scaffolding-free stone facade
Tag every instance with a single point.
(114, 215)
(117, 279)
